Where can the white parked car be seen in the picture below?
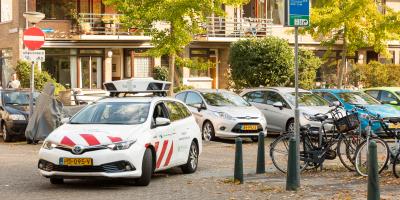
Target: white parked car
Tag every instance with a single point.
(124, 137)
(221, 113)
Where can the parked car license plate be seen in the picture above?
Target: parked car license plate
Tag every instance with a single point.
(394, 126)
(76, 161)
(249, 127)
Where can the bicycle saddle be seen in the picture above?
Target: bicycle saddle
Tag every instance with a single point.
(305, 127)
(394, 120)
(320, 117)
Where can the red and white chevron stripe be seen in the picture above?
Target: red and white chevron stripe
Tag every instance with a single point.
(164, 151)
(88, 139)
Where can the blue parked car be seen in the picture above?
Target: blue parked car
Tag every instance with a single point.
(349, 99)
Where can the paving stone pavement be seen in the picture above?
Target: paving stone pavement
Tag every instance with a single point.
(19, 179)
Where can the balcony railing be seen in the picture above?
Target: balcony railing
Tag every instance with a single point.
(110, 24)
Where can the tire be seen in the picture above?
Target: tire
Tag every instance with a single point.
(147, 169)
(396, 166)
(290, 126)
(56, 181)
(6, 136)
(208, 132)
(279, 152)
(254, 139)
(361, 163)
(346, 149)
(193, 159)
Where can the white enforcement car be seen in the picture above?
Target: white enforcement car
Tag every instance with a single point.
(126, 137)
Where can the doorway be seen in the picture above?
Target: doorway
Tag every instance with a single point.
(91, 71)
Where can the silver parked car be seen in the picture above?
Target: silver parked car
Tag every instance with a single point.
(224, 114)
(278, 103)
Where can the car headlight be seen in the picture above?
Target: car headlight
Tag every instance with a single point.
(16, 117)
(48, 145)
(223, 115)
(307, 116)
(121, 145)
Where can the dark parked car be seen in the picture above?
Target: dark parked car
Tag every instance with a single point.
(14, 112)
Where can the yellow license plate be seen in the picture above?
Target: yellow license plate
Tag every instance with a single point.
(249, 127)
(76, 161)
(394, 126)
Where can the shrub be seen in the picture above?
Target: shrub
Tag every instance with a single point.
(375, 74)
(308, 66)
(161, 73)
(261, 62)
(23, 70)
(182, 88)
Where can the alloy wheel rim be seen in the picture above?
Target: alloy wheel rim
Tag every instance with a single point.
(207, 132)
(291, 128)
(193, 156)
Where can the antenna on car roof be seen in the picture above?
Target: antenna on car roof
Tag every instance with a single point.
(136, 86)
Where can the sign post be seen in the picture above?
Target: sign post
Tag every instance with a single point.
(33, 39)
(297, 15)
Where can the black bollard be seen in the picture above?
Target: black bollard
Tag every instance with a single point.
(261, 154)
(373, 174)
(238, 173)
(291, 175)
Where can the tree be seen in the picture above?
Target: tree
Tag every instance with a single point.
(354, 23)
(183, 19)
(261, 62)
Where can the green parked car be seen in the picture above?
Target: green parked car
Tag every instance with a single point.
(386, 95)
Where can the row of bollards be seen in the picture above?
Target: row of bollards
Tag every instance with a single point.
(291, 181)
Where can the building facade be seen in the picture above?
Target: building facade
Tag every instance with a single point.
(86, 44)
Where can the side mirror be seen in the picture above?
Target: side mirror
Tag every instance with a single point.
(393, 103)
(160, 121)
(278, 105)
(65, 120)
(335, 104)
(199, 106)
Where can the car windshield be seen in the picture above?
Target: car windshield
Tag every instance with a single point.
(357, 98)
(306, 99)
(17, 98)
(398, 93)
(224, 99)
(112, 113)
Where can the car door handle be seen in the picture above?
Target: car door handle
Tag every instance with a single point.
(184, 133)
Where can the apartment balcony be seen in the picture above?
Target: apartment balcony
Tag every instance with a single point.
(109, 27)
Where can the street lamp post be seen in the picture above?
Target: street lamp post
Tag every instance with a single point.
(33, 18)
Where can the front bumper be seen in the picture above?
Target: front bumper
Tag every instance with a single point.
(16, 127)
(106, 163)
(229, 128)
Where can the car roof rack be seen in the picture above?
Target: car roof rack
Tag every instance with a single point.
(137, 86)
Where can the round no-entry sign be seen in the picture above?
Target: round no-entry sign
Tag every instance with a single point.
(33, 38)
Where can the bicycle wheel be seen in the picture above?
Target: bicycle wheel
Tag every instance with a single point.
(396, 166)
(279, 153)
(346, 149)
(361, 159)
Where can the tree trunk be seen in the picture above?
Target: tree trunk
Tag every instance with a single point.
(341, 68)
(172, 72)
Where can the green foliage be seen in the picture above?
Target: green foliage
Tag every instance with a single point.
(261, 62)
(308, 66)
(375, 74)
(194, 63)
(184, 19)
(23, 70)
(359, 21)
(160, 73)
(182, 88)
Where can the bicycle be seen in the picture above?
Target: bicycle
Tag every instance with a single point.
(383, 150)
(315, 148)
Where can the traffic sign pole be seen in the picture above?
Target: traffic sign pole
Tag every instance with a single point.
(296, 109)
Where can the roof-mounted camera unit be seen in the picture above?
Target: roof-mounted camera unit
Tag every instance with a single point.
(136, 86)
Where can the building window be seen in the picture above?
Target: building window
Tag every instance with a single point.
(6, 10)
(137, 63)
(390, 60)
(202, 55)
(61, 64)
(276, 11)
(57, 9)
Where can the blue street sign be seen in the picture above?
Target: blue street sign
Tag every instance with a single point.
(298, 12)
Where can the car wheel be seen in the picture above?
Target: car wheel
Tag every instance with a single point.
(56, 181)
(208, 131)
(147, 169)
(193, 159)
(254, 139)
(290, 126)
(5, 134)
